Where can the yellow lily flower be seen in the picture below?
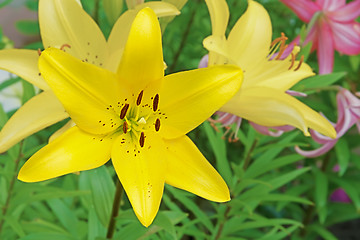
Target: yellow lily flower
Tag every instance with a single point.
(63, 24)
(137, 117)
(262, 98)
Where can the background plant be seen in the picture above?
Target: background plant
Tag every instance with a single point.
(276, 193)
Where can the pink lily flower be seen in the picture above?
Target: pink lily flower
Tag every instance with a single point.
(339, 195)
(348, 115)
(333, 27)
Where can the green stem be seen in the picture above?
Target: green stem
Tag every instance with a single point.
(183, 40)
(248, 156)
(115, 210)
(221, 227)
(308, 217)
(11, 186)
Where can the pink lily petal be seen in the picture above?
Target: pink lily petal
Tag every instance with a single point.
(339, 195)
(266, 130)
(347, 13)
(319, 138)
(331, 5)
(317, 152)
(304, 9)
(296, 94)
(325, 48)
(336, 168)
(352, 100)
(204, 61)
(346, 37)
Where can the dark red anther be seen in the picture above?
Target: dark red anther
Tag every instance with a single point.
(124, 111)
(156, 102)
(157, 124)
(139, 98)
(142, 139)
(125, 127)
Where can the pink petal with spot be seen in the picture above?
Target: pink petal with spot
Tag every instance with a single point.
(347, 13)
(346, 37)
(325, 50)
(304, 9)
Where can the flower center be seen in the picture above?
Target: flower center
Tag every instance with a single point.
(138, 118)
(280, 44)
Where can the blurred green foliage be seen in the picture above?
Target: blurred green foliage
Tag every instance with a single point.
(276, 193)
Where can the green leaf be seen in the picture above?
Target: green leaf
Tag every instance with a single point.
(103, 192)
(9, 82)
(28, 91)
(351, 190)
(47, 236)
(192, 206)
(219, 147)
(65, 215)
(28, 27)
(15, 225)
(319, 81)
(95, 228)
(323, 232)
(342, 151)
(3, 116)
(321, 193)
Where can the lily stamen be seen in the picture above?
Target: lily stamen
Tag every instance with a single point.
(139, 98)
(124, 111)
(142, 139)
(125, 127)
(301, 61)
(157, 124)
(64, 46)
(156, 102)
(39, 51)
(292, 61)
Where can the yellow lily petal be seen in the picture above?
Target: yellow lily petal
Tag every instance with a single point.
(89, 94)
(197, 95)
(271, 107)
(132, 3)
(120, 31)
(65, 23)
(73, 151)
(219, 14)
(141, 171)
(250, 38)
(24, 64)
(161, 9)
(142, 60)
(275, 73)
(38, 113)
(218, 50)
(62, 130)
(188, 169)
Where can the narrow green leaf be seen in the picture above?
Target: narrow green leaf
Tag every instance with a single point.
(103, 191)
(323, 232)
(65, 215)
(28, 91)
(342, 151)
(28, 27)
(319, 81)
(192, 206)
(219, 147)
(321, 193)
